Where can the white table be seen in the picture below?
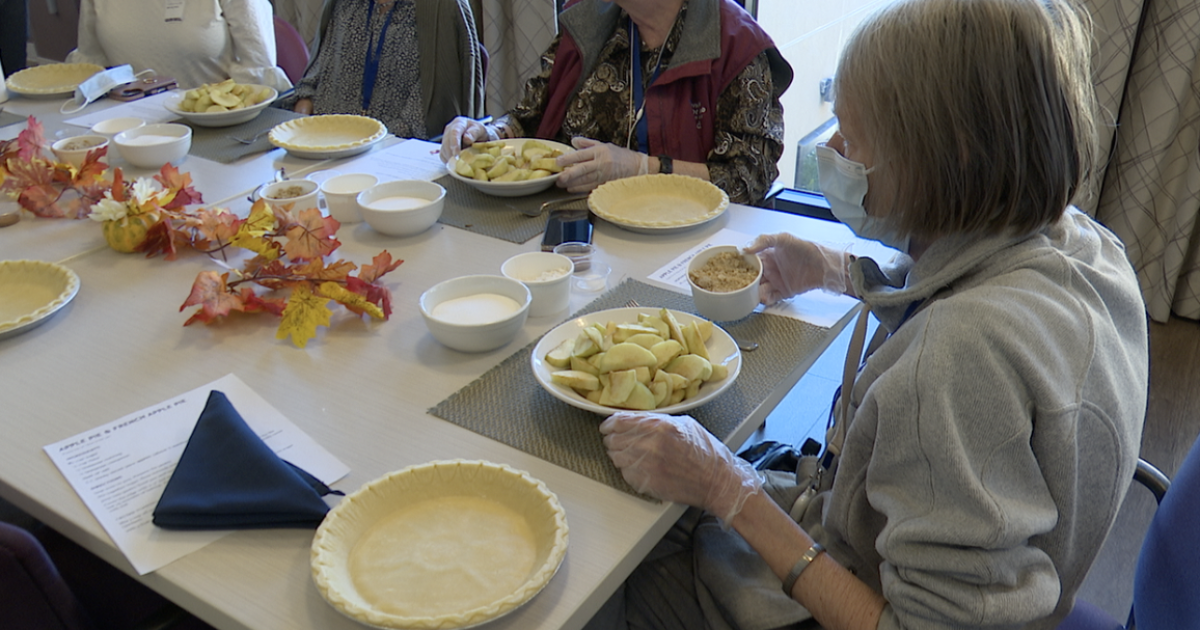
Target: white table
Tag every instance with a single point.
(360, 389)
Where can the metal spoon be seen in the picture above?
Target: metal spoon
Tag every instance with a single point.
(9, 218)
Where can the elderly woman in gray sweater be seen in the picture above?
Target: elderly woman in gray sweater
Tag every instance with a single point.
(982, 451)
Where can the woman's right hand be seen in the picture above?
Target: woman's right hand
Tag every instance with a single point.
(792, 266)
(461, 133)
(303, 106)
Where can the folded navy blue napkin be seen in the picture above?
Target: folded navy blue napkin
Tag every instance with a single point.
(228, 478)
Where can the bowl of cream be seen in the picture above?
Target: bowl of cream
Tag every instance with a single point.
(152, 146)
(476, 313)
(402, 208)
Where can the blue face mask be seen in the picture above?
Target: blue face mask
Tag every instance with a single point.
(844, 184)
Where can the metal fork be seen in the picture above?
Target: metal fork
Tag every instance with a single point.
(744, 346)
(250, 140)
(536, 212)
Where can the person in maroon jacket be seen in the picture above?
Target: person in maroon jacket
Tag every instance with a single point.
(653, 86)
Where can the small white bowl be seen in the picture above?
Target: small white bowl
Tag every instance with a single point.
(152, 146)
(341, 195)
(548, 277)
(299, 194)
(496, 322)
(729, 305)
(402, 208)
(74, 150)
(113, 126)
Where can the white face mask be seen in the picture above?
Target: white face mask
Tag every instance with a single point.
(844, 184)
(98, 85)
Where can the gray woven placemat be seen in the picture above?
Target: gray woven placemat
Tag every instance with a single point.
(498, 217)
(216, 143)
(9, 118)
(507, 404)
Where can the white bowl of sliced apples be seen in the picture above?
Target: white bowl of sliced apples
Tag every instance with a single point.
(636, 358)
(221, 104)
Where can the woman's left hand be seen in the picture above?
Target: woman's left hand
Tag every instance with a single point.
(675, 459)
(597, 162)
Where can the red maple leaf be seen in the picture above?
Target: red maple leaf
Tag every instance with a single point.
(32, 141)
(172, 179)
(311, 236)
(161, 239)
(381, 264)
(254, 303)
(42, 200)
(213, 297)
(375, 294)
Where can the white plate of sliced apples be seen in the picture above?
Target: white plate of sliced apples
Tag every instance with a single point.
(664, 361)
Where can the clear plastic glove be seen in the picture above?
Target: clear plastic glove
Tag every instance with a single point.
(461, 133)
(597, 162)
(792, 266)
(673, 458)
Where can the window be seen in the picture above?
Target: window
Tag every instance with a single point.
(810, 34)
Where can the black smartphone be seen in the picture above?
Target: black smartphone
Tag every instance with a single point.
(141, 88)
(567, 225)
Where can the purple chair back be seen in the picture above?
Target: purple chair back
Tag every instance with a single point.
(1166, 586)
(290, 51)
(33, 596)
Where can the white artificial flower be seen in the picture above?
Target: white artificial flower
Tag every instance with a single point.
(108, 210)
(145, 190)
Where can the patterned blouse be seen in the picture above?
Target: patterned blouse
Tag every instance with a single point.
(334, 81)
(748, 125)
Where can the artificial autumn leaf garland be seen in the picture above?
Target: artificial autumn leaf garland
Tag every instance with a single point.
(288, 276)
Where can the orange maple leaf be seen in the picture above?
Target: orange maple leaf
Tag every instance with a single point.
(374, 293)
(210, 293)
(216, 228)
(311, 236)
(381, 264)
(92, 169)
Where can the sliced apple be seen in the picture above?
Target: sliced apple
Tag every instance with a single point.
(584, 365)
(576, 380)
(627, 356)
(693, 367)
(694, 343)
(640, 398)
(560, 356)
(665, 351)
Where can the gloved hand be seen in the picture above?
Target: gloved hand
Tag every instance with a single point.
(792, 266)
(673, 458)
(597, 162)
(461, 133)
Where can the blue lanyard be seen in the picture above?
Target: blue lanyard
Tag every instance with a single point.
(371, 65)
(639, 97)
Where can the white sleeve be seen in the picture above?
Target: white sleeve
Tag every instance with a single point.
(88, 49)
(252, 35)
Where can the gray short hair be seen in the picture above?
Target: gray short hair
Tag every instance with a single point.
(981, 112)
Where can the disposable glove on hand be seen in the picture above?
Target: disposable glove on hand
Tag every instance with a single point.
(792, 266)
(673, 458)
(461, 133)
(597, 162)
